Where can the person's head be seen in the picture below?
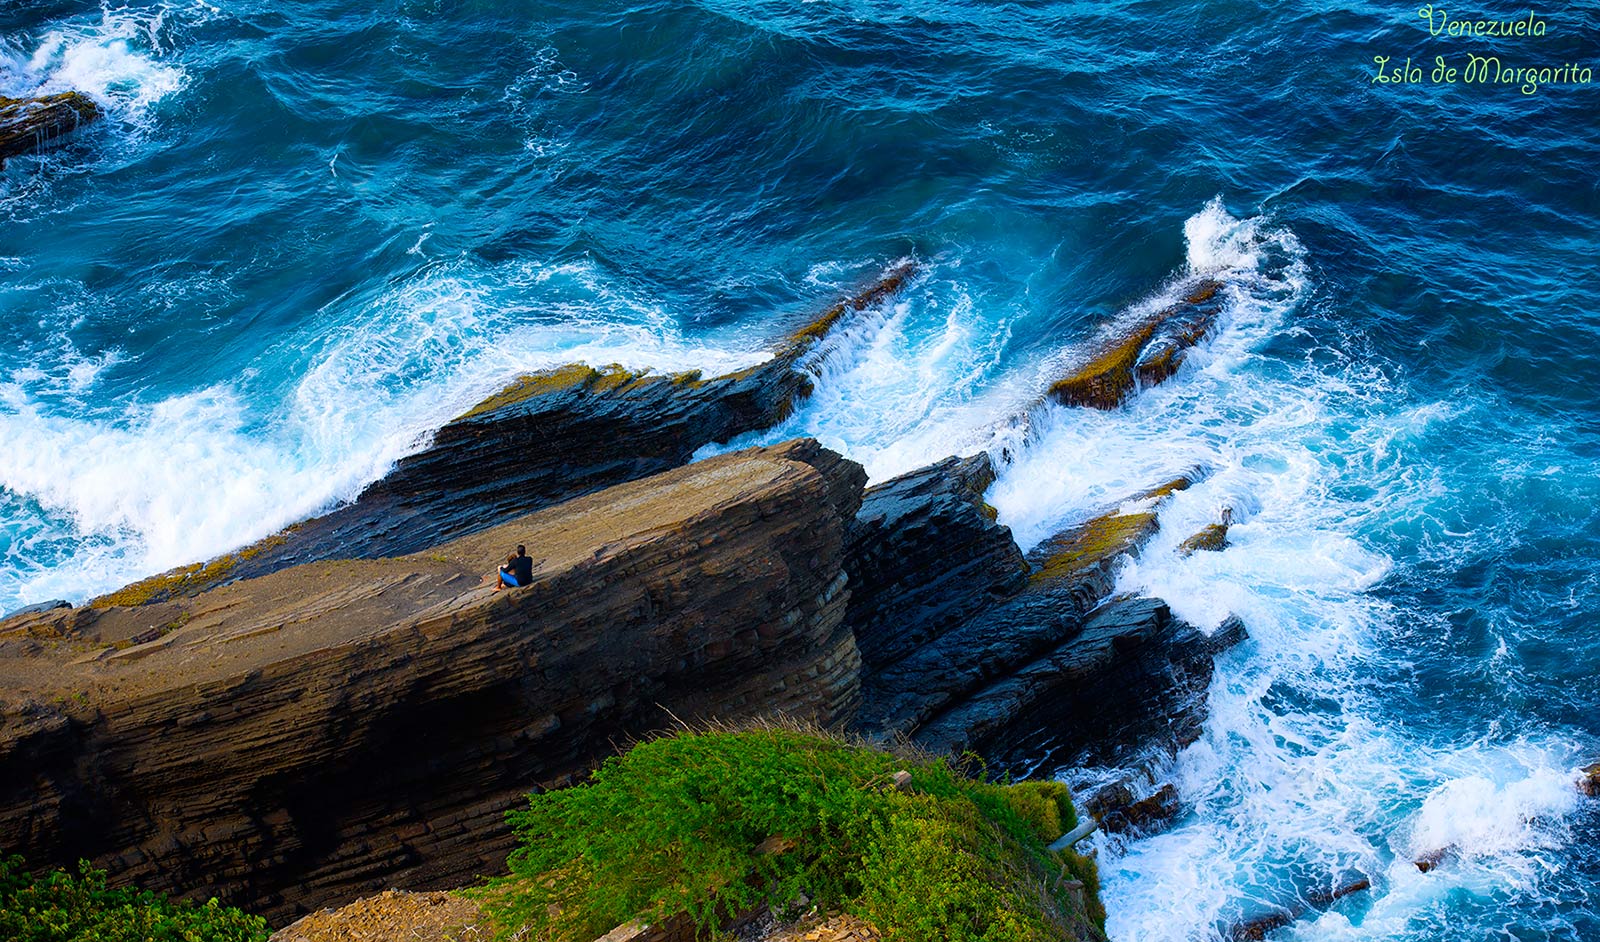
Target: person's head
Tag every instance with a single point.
(522, 550)
(511, 560)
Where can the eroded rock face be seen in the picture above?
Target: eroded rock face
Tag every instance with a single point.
(347, 726)
(1052, 657)
(32, 124)
(926, 555)
(545, 438)
(1146, 353)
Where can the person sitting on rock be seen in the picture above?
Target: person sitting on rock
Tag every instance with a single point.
(518, 570)
(523, 566)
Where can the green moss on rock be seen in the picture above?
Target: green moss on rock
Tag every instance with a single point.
(1213, 538)
(1097, 541)
(187, 580)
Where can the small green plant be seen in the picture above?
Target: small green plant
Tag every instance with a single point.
(60, 907)
(715, 823)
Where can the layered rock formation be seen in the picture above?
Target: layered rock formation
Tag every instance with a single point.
(346, 726)
(926, 554)
(545, 438)
(998, 662)
(1148, 352)
(32, 124)
(302, 722)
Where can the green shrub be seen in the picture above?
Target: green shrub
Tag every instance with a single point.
(675, 826)
(59, 907)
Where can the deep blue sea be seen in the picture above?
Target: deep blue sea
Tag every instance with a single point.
(311, 231)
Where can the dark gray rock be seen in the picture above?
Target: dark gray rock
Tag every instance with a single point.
(38, 607)
(925, 556)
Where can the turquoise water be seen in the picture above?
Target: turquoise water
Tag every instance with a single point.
(311, 232)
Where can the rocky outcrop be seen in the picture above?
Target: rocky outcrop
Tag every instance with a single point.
(1589, 781)
(1213, 538)
(1144, 353)
(1131, 674)
(347, 726)
(1049, 656)
(1146, 815)
(32, 124)
(926, 555)
(543, 439)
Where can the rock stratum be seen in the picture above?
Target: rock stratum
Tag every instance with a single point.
(329, 730)
(34, 124)
(345, 707)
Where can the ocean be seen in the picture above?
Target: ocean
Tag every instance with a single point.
(309, 232)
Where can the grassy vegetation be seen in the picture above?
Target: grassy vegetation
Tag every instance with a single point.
(60, 907)
(717, 822)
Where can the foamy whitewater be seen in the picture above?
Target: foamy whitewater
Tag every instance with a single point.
(306, 237)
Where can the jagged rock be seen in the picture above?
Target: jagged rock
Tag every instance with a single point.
(348, 726)
(926, 554)
(1589, 783)
(32, 124)
(40, 608)
(979, 672)
(1147, 353)
(1213, 538)
(543, 439)
(1084, 558)
(1132, 674)
(1146, 815)
(1256, 930)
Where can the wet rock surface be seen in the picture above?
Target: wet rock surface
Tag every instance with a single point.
(33, 124)
(1144, 353)
(1053, 656)
(349, 726)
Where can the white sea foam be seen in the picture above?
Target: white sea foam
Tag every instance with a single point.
(906, 383)
(121, 59)
(186, 477)
(1302, 780)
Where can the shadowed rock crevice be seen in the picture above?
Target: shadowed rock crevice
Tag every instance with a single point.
(1000, 662)
(926, 555)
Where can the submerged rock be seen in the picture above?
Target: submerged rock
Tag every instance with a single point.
(1145, 354)
(544, 438)
(348, 726)
(1315, 900)
(32, 124)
